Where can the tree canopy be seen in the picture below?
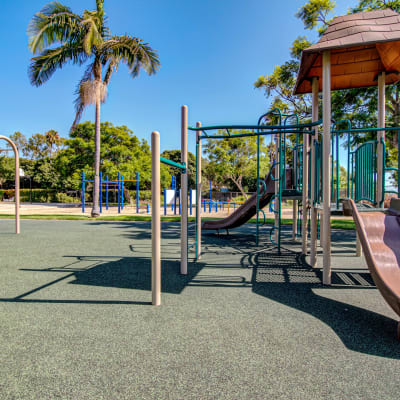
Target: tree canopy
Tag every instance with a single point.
(233, 162)
(358, 105)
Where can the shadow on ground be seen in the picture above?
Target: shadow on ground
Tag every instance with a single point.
(286, 279)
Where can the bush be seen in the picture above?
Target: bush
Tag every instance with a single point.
(64, 198)
(144, 195)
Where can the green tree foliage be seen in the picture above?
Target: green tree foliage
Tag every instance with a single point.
(175, 155)
(359, 105)
(233, 162)
(60, 166)
(58, 36)
(7, 169)
(121, 151)
(314, 14)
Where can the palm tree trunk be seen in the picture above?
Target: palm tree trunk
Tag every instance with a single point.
(96, 183)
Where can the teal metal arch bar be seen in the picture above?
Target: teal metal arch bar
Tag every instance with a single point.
(257, 127)
(173, 163)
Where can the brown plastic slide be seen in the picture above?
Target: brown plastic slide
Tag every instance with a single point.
(379, 234)
(249, 208)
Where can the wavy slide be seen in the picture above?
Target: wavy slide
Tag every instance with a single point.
(379, 234)
(248, 209)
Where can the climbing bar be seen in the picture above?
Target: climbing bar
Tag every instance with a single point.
(254, 127)
(173, 163)
(358, 130)
(264, 217)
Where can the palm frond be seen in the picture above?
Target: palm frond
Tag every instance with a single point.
(112, 67)
(43, 67)
(55, 23)
(79, 105)
(136, 54)
(92, 24)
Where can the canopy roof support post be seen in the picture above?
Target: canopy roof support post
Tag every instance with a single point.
(198, 193)
(277, 182)
(326, 117)
(314, 212)
(155, 220)
(304, 200)
(184, 190)
(380, 196)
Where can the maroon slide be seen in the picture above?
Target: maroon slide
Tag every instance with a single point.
(379, 234)
(249, 208)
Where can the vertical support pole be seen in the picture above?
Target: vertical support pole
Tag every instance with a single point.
(314, 216)
(155, 220)
(137, 192)
(304, 201)
(17, 196)
(83, 191)
(295, 204)
(106, 192)
(101, 192)
(277, 184)
(165, 202)
(198, 193)
(258, 189)
(191, 201)
(180, 203)
(348, 163)
(119, 192)
(337, 172)
(184, 190)
(174, 204)
(122, 192)
(381, 135)
(326, 90)
(294, 220)
(210, 194)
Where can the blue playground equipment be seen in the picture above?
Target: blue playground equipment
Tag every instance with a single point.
(119, 184)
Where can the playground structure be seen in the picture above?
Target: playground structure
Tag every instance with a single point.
(17, 195)
(332, 63)
(118, 184)
(302, 181)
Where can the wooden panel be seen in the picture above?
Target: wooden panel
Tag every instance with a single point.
(374, 66)
(390, 55)
(355, 56)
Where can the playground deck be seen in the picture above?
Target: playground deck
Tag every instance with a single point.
(77, 323)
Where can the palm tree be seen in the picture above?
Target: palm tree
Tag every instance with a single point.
(58, 36)
(52, 139)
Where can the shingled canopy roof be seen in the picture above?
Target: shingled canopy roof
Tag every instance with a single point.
(362, 45)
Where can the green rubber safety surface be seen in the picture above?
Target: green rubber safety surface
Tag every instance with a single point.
(76, 320)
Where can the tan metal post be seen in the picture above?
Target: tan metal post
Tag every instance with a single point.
(16, 196)
(198, 193)
(314, 212)
(326, 92)
(277, 182)
(184, 190)
(381, 135)
(294, 220)
(305, 194)
(295, 204)
(155, 220)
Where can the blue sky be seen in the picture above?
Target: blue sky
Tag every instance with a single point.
(211, 53)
